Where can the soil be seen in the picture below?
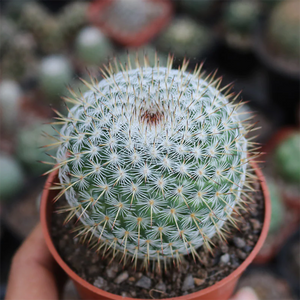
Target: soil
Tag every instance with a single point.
(173, 282)
(267, 286)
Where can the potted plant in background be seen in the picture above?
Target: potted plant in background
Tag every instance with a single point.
(131, 23)
(153, 164)
(278, 47)
(237, 31)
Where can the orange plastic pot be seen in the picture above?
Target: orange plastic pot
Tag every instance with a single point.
(222, 290)
(129, 39)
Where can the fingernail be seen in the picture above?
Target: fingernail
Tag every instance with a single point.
(246, 293)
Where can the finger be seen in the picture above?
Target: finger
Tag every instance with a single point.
(245, 293)
(32, 275)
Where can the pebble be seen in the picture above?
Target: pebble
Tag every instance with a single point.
(256, 225)
(131, 279)
(188, 283)
(100, 282)
(241, 254)
(124, 294)
(161, 287)
(240, 243)
(225, 258)
(121, 277)
(224, 248)
(144, 282)
(199, 281)
(248, 248)
(93, 270)
(112, 270)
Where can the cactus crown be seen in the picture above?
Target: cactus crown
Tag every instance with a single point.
(283, 28)
(152, 160)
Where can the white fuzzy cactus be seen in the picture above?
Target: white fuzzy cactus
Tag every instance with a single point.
(152, 161)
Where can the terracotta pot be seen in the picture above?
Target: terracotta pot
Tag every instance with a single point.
(290, 201)
(138, 38)
(222, 290)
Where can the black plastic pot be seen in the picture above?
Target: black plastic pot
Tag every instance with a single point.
(286, 265)
(283, 85)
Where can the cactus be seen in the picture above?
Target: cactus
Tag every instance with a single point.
(72, 18)
(152, 161)
(185, 37)
(29, 151)
(55, 73)
(287, 159)
(12, 177)
(277, 207)
(198, 7)
(92, 46)
(10, 96)
(283, 29)
(7, 30)
(241, 16)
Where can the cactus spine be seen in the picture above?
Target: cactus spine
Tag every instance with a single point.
(152, 161)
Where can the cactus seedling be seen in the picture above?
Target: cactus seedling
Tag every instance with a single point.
(186, 38)
(152, 161)
(12, 177)
(10, 96)
(92, 46)
(283, 29)
(287, 159)
(55, 74)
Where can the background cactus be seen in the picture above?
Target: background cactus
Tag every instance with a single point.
(152, 161)
(10, 100)
(92, 46)
(283, 29)
(241, 16)
(185, 37)
(29, 151)
(12, 176)
(287, 159)
(277, 207)
(198, 7)
(55, 73)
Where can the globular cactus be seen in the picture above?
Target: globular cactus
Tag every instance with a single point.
(55, 72)
(29, 146)
(283, 29)
(12, 177)
(92, 46)
(152, 161)
(72, 18)
(198, 7)
(10, 102)
(241, 16)
(286, 159)
(185, 37)
(277, 206)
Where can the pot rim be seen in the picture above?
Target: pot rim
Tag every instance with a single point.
(237, 272)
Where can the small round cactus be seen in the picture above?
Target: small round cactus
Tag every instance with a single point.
(30, 142)
(287, 159)
(12, 177)
(283, 29)
(55, 73)
(277, 206)
(152, 161)
(10, 98)
(185, 37)
(241, 16)
(92, 46)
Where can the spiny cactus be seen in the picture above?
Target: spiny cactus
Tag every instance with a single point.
(277, 206)
(198, 7)
(55, 73)
(283, 29)
(287, 159)
(185, 37)
(12, 177)
(152, 161)
(241, 16)
(92, 46)
(10, 102)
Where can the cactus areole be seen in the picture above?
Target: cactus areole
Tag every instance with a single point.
(152, 161)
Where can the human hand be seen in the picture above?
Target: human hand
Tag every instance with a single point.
(34, 274)
(245, 293)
